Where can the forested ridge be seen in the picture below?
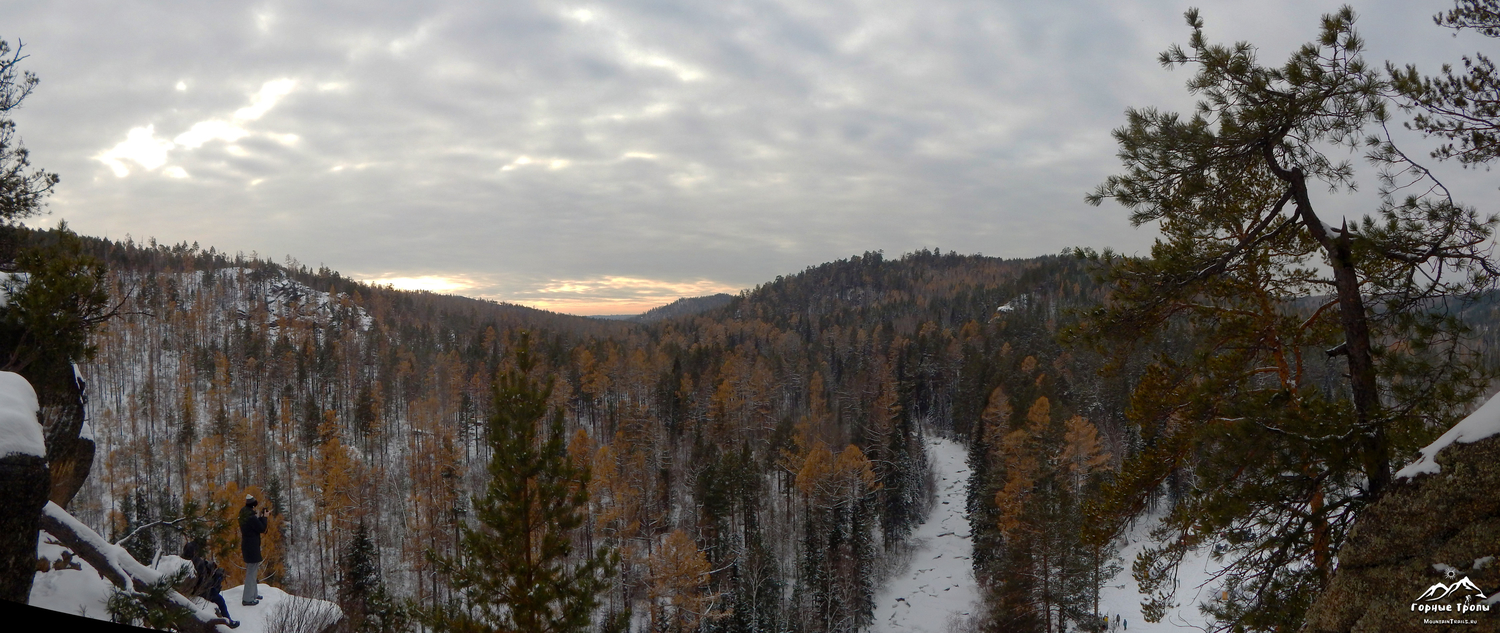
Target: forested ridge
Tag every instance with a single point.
(770, 447)
(1250, 389)
(756, 466)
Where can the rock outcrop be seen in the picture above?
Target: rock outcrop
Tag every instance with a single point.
(24, 483)
(1431, 529)
(69, 456)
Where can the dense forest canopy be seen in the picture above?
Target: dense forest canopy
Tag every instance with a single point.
(778, 434)
(757, 462)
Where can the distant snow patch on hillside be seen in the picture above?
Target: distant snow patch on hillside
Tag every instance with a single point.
(20, 434)
(288, 299)
(269, 296)
(1018, 303)
(1480, 424)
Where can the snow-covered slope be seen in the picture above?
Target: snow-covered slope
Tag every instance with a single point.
(1482, 423)
(264, 617)
(1121, 598)
(938, 582)
(72, 586)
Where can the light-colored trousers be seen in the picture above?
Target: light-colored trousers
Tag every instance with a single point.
(250, 589)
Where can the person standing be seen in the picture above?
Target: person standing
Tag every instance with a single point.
(252, 525)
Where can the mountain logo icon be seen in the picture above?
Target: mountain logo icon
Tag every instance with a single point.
(1463, 588)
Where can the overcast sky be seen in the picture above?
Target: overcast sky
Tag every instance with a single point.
(607, 157)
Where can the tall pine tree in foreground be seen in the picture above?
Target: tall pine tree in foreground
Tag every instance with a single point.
(517, 570)
(1295, 355)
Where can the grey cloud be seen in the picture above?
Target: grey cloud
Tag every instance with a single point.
(672, 141)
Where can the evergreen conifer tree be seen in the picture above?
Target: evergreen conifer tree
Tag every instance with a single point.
(1295, 357)
(517, 570)
(362, 595)
(1463, 108)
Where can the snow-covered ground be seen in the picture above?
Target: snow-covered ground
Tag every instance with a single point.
(20, 433)
(74, 591)
(83, 592)
(259, 618)
(1121, 598)
(938, 582)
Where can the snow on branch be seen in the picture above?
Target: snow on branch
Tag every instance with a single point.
(113, 562)
(1482, 423)
(153, 524)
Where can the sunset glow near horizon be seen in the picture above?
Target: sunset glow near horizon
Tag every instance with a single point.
(583, 297)
(610, 157)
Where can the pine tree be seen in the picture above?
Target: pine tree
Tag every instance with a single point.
(1460, 108)
(1295, 356)
(362, 594)
(21, 193)
(517, 570)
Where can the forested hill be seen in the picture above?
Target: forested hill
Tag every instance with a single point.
(944, 289)
(683, 307)
(757, 465)
(418, 309)
(774, 441)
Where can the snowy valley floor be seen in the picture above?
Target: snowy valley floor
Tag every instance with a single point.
(937, 584)
(936, 587)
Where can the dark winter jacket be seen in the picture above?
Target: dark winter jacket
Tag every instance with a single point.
(251, 527)
(208, 579)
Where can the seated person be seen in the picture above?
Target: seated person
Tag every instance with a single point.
(209, 580)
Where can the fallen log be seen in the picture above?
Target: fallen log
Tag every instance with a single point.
(117, 565)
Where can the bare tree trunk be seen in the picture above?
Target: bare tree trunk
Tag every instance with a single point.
(1374, 448)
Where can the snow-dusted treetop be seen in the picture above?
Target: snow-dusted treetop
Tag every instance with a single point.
(20, 433)
(1480, 424)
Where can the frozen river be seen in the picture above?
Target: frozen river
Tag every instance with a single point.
(938, 582)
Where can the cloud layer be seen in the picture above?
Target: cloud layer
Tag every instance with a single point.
(605, 157)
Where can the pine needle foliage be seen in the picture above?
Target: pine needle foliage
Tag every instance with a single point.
(152, 607)
(367, 606)
(517, 569)
(1461, 108)
(22, 188)
(1293, 359)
